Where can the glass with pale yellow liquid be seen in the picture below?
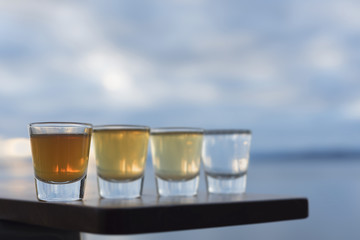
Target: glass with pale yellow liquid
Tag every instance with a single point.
(176, 154)
(120, 152)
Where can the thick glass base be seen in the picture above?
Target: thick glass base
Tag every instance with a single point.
(177, 188)
(226, 185)
(60, 191)
(126, 190)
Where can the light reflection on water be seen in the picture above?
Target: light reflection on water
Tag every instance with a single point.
(332, 187)
(16, 167)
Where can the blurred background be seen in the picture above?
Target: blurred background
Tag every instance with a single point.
(287, 70)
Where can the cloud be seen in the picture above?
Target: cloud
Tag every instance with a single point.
(15, 147)
(12, 83)
(325, 53)
(124, 62)
(352, 110)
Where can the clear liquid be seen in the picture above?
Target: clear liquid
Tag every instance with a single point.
(176, 156)
(120, 154)
(226, 155)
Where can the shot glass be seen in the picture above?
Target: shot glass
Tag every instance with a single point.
(60, 154)
(120, 152)
(225, 155)
(176, 156)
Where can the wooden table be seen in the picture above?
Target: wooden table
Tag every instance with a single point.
(22, 215)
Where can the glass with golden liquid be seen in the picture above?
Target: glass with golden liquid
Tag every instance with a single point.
(176, 154)
(60, 157)
(120, 152)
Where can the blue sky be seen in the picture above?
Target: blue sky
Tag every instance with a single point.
(287, 70)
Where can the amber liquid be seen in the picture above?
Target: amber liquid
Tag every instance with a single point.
(176, 156)
(60, 158)
(121, 154)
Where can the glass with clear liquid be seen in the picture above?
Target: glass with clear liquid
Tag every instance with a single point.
(225, 155)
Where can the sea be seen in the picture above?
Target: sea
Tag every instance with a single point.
(330, 182)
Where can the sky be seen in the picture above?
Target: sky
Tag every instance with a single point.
(287, 70)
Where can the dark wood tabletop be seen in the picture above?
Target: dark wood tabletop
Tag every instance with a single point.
(150, 213)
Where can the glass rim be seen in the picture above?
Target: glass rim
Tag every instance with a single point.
(227, 131)
(176, 130)
(60, 124)
(120, 127)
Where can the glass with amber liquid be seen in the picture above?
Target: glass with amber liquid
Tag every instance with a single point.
(176, 154)
(120, 152)
(60, 157)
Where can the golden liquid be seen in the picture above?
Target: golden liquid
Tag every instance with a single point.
(121, 154)
(176, 156)
(60, 157)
